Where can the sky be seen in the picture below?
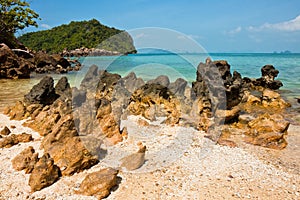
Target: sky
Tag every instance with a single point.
(218, 25)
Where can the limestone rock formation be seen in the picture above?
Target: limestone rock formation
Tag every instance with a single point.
(269, 73)
(18, 63)
(99, 183)
(44, 174)
(25, 160)
(12, 66)
(268, 131)
(154, 99)
(42, 93)
(14, 139)
(71, 155)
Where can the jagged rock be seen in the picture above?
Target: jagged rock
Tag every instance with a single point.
(107, 123)
(62, 129)
(273, 99)
(120, 101)
(51, 63)
(42, 93)
(71, 155)
(12, 66)
(178, 87)
(25, 160)
(90, 79)
(269, 73)
(5, 131)
(78, 97)
(99, 183)
(13, 139)
(268, 131)
(161, 80)
(18, 111)
(44, 174)
(148, 100)
(135, 160)
(131, 82)
(106, 84)
(64, 63)
(62, 88)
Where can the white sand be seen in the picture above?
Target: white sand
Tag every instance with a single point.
(181, 164)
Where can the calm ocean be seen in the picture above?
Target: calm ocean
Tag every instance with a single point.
(149, 66)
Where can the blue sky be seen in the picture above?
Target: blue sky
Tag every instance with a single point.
(219, 26)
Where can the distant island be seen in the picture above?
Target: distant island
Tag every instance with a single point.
(75, 35)
(283, 52)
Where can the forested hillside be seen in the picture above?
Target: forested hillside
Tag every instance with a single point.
(90, 34)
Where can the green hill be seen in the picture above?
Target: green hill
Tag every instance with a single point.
(90, 34)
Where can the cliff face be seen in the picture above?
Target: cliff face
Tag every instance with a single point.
(89, 34)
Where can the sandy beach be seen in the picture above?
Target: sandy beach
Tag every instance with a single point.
(200, 170)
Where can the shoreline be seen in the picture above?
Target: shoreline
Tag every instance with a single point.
(177, 131)
(224, 173)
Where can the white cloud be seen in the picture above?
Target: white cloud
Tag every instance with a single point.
(291, 25)
(46, 26)
(234, 31)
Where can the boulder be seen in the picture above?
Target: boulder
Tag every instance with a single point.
(269, 73)
(135, 160)
(5, 131)
(12, 66)
(268, 131)
(99, 183)
(42, 93)
(161, 80)
(106, 84)
(26, 160)
(62, 88)
(18, 111)
(178, 87)
(14, 139)
(71, 155)
(44, 174)
(272, 99)
(154, 99)
(90, 79)
(131, 82)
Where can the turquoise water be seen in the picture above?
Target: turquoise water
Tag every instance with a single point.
(248, 64)
(149, 66)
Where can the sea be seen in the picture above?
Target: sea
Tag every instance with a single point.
(150, 65)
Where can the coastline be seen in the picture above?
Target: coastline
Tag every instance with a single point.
(175, 146)
(223, 173)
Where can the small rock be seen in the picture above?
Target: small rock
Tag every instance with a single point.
(44, 174)
(5, 131)
(136, 160)
(13, 139)
(25, 160)
(99, 183)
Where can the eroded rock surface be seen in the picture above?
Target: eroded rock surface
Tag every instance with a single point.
(99, 183)
(44, 174)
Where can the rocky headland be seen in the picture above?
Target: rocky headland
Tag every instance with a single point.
(78, 127)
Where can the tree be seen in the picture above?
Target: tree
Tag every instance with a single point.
(15, 15)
